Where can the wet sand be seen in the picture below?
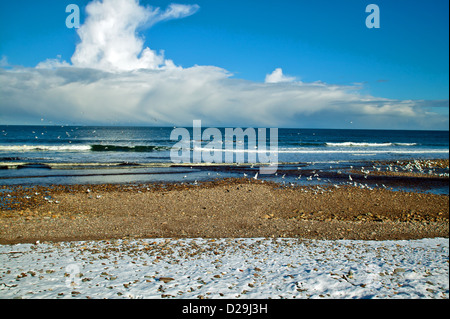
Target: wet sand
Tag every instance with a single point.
(228, 208)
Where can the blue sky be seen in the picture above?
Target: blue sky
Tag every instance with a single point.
(311, 41)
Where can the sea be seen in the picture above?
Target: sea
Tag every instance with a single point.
(45, 155)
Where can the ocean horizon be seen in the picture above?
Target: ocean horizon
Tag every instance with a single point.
(56, 153)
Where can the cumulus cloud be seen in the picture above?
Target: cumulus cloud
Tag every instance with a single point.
(277, 76)
(115, 79)
(109, 39)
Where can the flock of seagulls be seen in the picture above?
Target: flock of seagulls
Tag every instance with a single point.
(423, 167)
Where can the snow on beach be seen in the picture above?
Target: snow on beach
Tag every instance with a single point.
(226, 268)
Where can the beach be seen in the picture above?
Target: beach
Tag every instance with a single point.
(238, 270)
(344, 232)
(237, 207)
(223, 208)
(233, 239)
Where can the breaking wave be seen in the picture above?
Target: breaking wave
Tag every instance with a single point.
(362, 144)
(82, 148)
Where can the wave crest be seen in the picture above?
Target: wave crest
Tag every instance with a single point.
(54, 148)
(81, 148)
(363, 144)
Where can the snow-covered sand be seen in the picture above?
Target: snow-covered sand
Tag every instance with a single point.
(226, 268)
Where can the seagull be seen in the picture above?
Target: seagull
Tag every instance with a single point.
(350, 177)
(256, 176)
(245, 175)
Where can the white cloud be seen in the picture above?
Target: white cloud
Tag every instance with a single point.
(174, 11)
(178, 96)
(109, 39)
(277, 76)
(52, 64)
